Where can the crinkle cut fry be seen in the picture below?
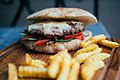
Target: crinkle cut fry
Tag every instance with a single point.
(82, 57)
(32, 62)
(12, 72)
(93, 39)
(86, 49)
(55, 61)
(109, 43)
(95, 57)
(65, 68)
(88, 71)
(74, 71)
(30, 71)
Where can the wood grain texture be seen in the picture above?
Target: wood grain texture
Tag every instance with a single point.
(114, 66)
(16, 53)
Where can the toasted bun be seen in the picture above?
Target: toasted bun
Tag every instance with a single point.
(63, 14)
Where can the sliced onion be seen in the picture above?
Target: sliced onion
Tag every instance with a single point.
(87, 34)
(32, 39)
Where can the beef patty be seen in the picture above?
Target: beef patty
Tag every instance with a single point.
(56, 28)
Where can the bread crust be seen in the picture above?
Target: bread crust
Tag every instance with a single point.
(75, 14)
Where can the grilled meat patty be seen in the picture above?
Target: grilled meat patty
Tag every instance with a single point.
(56, 28)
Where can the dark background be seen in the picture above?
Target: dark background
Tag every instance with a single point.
(109, 12)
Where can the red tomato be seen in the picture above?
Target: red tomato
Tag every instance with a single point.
(78, 34)
(72, 36)
(29, 36)
(68, 37)
(80, 37)
(41, 42)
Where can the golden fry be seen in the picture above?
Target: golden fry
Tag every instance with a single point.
(93, 39)
(82, 57)
(28, 59)
(38, 63)
(55, 62)
(109, 43)
(32, 62)
(96, 57)
(73, 75)
(89, 70)
(54, 66)
(63, 53)
(30, 71)
(86, 49)
(58, 54)
(65, 68)
(12, 72)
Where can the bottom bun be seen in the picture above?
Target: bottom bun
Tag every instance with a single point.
(53, 47)
(57, 46)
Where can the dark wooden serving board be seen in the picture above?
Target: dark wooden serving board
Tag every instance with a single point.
(16, 52)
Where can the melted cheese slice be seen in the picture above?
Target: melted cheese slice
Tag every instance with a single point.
(49, 27)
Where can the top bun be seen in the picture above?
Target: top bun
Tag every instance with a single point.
(75, 14)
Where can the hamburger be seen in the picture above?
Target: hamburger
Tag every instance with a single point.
(55, 29)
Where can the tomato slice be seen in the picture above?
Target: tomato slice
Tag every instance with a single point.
(29, 37)
(72, 36)
(41, 42)
(80, 37)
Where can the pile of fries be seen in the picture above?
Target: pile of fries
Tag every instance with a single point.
(63, 66)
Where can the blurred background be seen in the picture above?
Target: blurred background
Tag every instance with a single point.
(108, 11)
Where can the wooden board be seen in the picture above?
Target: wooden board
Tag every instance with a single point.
(16, 52)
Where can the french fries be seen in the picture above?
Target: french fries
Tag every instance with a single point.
(65, 68)
(12, 72)
(89, 70)
(32, 62)
(39, 63)
(95, 57)
(86, 49)
(82, 57)
(58, 54)
(56, 61)
(63, 53)
(30, 71)
(62, 66)
(28, 59)
(93, 39)
(73, 75)
(54, 66)
(33, 68)
(109, 43)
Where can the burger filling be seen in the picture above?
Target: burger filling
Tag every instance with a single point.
(50, 32)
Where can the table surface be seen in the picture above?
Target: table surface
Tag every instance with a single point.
(16, 52)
